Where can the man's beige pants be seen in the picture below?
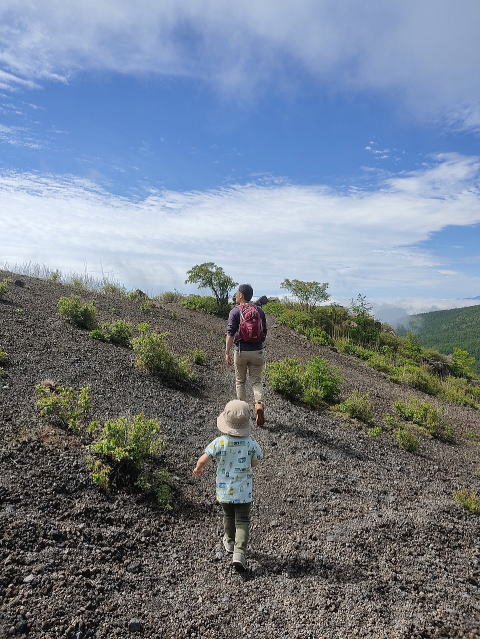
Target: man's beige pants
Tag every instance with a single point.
(252, 362)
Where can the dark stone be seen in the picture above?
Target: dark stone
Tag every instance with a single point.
(19, 283)
(135, 625)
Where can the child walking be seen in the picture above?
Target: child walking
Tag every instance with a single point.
(236, 453)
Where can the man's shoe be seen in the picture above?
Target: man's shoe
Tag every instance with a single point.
(228, 545)
(259, 414)
(238, 561)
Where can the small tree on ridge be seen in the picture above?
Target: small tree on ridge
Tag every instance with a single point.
(209, 275)
(307, 293)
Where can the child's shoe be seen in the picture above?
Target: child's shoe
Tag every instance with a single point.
(239, 561)
(259, 414)
(228, 544)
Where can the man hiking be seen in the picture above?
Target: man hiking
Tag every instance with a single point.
(246, 333)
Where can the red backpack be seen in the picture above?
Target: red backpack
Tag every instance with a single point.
(251, 324)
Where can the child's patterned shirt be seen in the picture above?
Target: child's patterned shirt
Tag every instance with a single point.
(234, 456)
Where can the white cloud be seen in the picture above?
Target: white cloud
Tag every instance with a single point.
(18, 136)
(423, 54)
(359, 241)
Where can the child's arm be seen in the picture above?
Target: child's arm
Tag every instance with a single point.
(202, 461)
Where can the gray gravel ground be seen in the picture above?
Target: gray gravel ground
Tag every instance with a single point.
(352, 537)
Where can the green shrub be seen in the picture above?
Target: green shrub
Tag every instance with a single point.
(313, 382)
(469, 499)
(286, 377)
(142, 327)
(206, 305)
(199, 357)
(381, 363)
(417, 377)
(157, 483)
(273, 308)
(406, 440)
(462, 363)
(4, 286)
(357, 406)
(81, 315)
(114, 289)
(152, 355)
(65, 404)
(423, 414)
(375, 431)
(3, 358)
(129, 439)
(170, 296)
(458, 391)
(346, 346)
(119, 332)
(125, 446)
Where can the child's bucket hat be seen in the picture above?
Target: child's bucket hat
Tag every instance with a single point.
(235, 419)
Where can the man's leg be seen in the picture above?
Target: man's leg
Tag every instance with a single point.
(240, 364)
(256, 364)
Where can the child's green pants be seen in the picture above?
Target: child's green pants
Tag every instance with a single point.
(236, 521)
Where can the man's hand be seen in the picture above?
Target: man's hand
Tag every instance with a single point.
(197, 471)
(228, 358)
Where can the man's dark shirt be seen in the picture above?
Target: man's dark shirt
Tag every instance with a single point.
(234, 324)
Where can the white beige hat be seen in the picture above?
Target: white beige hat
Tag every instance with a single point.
(235, 419)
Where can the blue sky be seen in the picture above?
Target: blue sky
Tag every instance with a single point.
(289, 139)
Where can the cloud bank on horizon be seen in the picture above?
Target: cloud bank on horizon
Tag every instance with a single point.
(364, 241)
(424, 54)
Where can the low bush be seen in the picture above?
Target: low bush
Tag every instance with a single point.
(375, 431)
(4, 286)
(459, 391)
(313, 382)
(119, 332)
(462, 364)
(199, 357)
(423, 414)
(406, 440)
(417, 377)
(152, 354)
(170, 297)
(114, 289)
(348, 347)
(124, 447)
(381, 363)
(78, 314)
(64, 404)
(469, 499)
(357, 406)
(206, 305)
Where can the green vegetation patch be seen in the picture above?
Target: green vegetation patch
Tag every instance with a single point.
(357, 406)
(123, 455)
(468, 499)
(314, 382)
(74, 311)
(424, 415)
(66, 405)
(119, 332)
(4, 286)
(206, 304)
(152, 355)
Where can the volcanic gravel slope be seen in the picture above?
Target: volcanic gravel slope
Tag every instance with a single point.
(351, 536)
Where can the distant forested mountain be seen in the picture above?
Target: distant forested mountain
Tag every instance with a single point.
(446, 330)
